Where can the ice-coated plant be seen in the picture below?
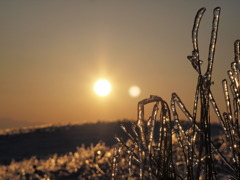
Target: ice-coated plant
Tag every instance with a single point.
(170, 151)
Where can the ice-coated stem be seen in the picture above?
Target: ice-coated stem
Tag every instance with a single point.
(196, 62)
(213, 41)
(237, 53)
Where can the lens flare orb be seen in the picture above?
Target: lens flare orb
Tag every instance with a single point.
(134, 91)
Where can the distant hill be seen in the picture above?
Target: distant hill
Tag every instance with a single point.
(44, 141)
(6, 123)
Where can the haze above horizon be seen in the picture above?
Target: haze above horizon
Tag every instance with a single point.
(52, 53)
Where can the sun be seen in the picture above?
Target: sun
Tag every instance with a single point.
(102, 87)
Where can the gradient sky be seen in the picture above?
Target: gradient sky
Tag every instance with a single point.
(52, 52)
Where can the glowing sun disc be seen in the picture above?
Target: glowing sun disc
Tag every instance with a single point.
(102, 87)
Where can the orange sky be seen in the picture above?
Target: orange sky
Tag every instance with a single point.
(51, 53)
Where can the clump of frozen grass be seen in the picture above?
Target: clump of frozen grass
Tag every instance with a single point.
(170, 152)
(93, 162)
(150, 157)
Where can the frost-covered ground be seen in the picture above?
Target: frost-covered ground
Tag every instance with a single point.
(83, 162)
(43, 141)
